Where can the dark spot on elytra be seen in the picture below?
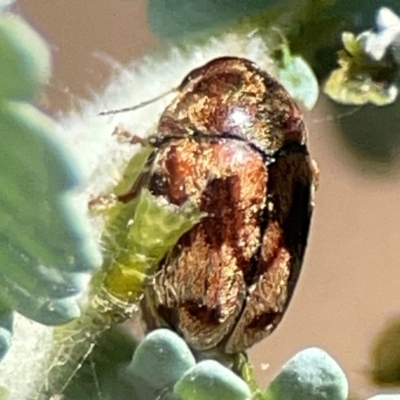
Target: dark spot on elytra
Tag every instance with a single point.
(296, 225)
(264, 320)
(167, 314)
(292, 203)
(271, 84)
(220, 84)
(223, 220)
(168, 184)
(292, 199)
(208, 316)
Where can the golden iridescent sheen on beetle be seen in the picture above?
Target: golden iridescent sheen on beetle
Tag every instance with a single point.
(232, 142)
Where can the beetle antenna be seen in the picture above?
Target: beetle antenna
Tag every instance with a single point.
(140, 105)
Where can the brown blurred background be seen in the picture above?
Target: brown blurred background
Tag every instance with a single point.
(349, 289)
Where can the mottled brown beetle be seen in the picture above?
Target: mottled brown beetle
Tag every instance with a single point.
(234, 143)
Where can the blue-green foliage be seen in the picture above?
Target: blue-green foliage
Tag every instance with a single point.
(297, 77)
(311, 374)
(25, 59)
(44, 251)
(163, 367)
(172, 18)
(209, 380)
(158, 363)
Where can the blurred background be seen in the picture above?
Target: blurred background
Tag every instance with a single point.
(349, 292)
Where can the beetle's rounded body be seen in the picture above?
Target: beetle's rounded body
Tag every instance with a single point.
(233, 142)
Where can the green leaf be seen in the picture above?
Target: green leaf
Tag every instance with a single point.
(158, 363)
(209, 380)
(311, 375)
(44, 247)
(175, 19)
(41, 309)
(25, 62)
(297, 77)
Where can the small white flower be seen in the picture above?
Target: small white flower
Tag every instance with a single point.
(388, 31)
